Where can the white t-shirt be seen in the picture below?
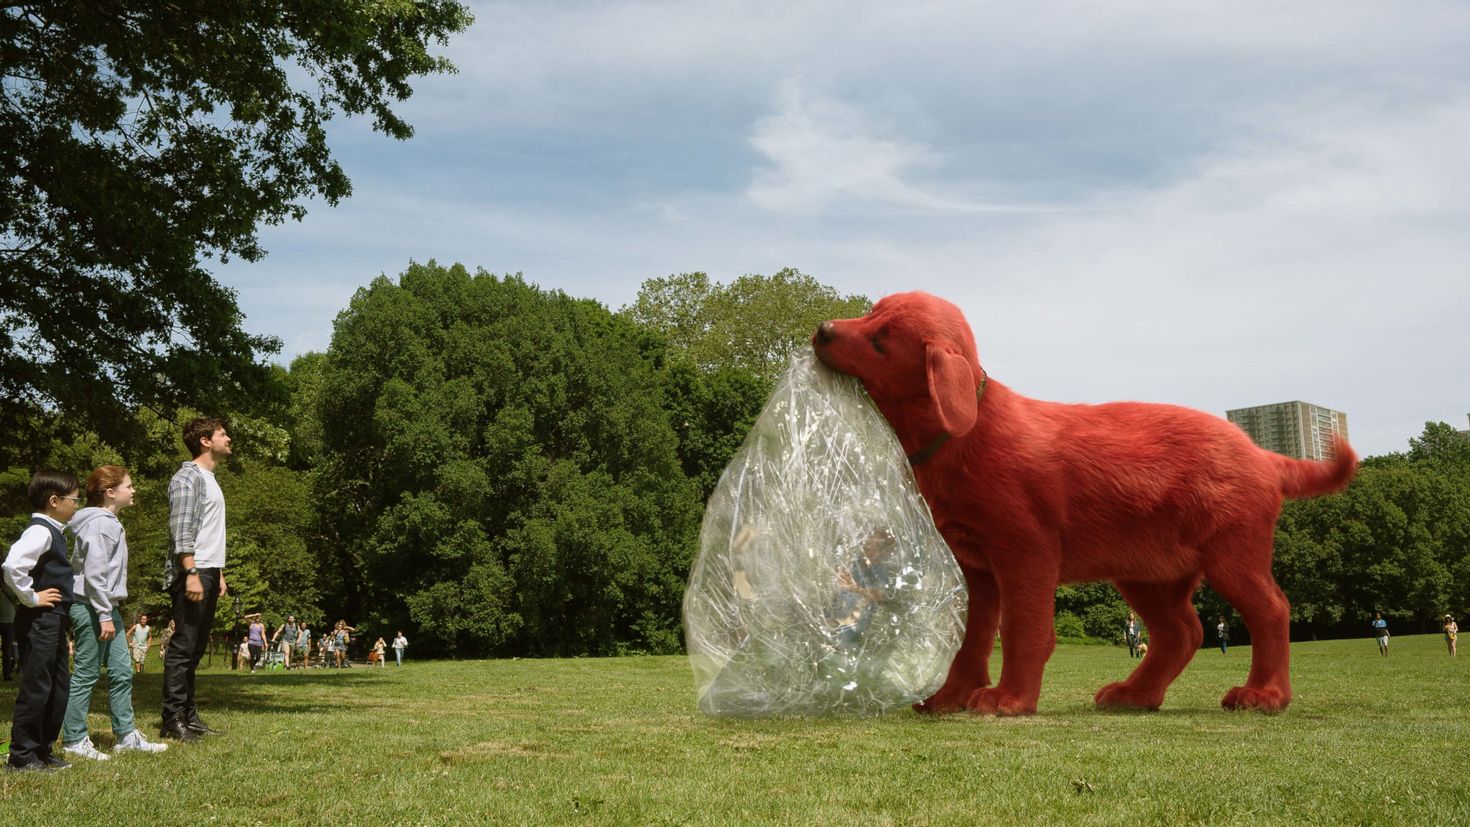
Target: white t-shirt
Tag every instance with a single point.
(209, 541)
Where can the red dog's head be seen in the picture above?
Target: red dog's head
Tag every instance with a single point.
(916, 357)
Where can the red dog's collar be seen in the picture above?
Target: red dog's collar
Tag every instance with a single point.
(928, 451)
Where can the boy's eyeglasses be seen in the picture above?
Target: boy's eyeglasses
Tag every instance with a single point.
(76, 499)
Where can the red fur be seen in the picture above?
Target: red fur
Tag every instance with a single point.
(1030, 494)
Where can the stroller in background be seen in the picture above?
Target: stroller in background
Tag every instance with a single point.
(272, 658)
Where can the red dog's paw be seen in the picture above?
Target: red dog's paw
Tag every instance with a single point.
(995, 701)
(1123, 695)
(1249, 697)
(944, 701)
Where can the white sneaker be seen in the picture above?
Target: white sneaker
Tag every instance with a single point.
(84, 749)
(135, 742)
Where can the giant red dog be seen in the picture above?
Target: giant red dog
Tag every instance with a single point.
(1031, 494)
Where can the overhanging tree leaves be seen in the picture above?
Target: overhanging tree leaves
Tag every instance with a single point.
(138, 139)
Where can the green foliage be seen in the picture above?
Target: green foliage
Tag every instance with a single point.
(1396, 541)
(753, 323)
(1069, 628)
(140, 139)
(483, 436)
(723, 347)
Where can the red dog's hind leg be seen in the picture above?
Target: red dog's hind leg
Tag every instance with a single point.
(970, 669)
(1174, 636)
(1240, 570)
(1027, 640)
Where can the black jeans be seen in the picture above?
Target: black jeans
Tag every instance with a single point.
(45, 682)
(192, 622)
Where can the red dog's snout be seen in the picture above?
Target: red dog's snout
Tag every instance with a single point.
(824, 333)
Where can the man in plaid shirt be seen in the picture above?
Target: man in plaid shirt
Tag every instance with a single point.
(193, 573)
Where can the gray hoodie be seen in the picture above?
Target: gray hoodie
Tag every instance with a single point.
(99, 559)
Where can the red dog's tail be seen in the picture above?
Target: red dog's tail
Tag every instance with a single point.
(1305, 478)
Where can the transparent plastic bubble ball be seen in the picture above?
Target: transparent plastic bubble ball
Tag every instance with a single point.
(821, 584)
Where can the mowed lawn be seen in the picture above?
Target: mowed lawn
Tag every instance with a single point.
(618, 741)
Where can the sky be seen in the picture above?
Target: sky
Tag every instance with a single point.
(1211, 205)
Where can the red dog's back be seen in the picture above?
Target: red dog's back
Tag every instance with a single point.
(1031, 493)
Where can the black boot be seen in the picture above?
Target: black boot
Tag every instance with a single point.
(174, 729)
(195, 724)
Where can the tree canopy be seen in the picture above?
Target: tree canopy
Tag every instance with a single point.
(753, 323)
(500, 468)
(139, 139)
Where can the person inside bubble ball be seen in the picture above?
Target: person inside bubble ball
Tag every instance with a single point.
(865, 583)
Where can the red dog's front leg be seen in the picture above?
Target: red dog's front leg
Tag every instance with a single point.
(1027, 640)
(970, 669)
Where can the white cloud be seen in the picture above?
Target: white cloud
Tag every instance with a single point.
(1204, 205)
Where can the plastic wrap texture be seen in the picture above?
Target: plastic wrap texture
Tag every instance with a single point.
(821, 585)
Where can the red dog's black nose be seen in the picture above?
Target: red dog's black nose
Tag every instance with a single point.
(824, 333)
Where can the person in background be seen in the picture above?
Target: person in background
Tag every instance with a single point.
(380, 648)
(1451, 632)
(1222, 634)
(164, 638)
(1130, 634)
(7, 631)
(303, 645)
(341, 637)
(242, 652)
(1380, 631)
(140, 640)
(285, 637)
(256, 637)
(399, 644)
(37, 572)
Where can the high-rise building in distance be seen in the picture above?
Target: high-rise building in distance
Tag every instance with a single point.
(1296, 429)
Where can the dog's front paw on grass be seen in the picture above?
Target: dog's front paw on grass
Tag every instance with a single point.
(1123, 695)
(1269, 700)
(944, 702)
(996, 701)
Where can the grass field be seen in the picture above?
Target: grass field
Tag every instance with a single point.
(1368, 740)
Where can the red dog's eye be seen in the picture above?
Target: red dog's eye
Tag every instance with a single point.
(877, 344)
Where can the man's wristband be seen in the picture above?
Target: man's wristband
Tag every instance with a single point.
(191, 571)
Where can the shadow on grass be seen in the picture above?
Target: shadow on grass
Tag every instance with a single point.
(244, 692)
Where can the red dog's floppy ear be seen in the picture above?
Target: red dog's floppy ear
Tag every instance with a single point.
(952, 389)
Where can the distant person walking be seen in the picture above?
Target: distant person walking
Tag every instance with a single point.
(285, 637)
(1130, 634)
(380, 648)
(303, 645)
(255, 635)
(194, 572)
(1380, 631)
(1451, 632)
(399, 644)
(1222, 634)
(140, 640)
(341, 637)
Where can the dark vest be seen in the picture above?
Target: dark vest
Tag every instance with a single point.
(53, 571)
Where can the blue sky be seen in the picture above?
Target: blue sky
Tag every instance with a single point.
(1217, 206)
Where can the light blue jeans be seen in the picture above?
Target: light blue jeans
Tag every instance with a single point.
(93, 654)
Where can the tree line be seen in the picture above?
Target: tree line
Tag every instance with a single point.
(509, 470)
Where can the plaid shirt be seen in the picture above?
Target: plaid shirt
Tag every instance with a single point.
(185, 511)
